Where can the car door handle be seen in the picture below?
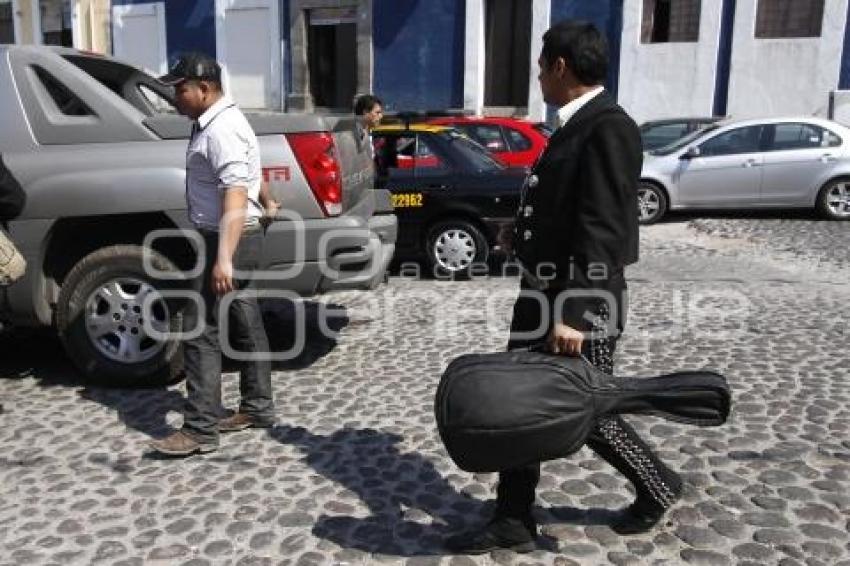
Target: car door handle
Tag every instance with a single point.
(828, 158)
(750, 163)
(437, 186)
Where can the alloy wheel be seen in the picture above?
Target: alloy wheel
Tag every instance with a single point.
(115, 320)
(838, 200)
(649, 204)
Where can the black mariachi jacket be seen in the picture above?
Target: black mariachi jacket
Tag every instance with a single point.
(12, 196)
(579, 209)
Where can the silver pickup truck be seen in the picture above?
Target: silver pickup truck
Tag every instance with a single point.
(100, 152)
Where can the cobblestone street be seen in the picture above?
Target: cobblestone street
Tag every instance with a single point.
(355, 472)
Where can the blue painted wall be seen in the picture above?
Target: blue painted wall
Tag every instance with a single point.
(844, 79)
(418, 50)
(190, 26)
(608, 17)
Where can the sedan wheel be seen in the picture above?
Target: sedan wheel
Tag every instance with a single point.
(834, 200)
(454, 250)
(651, 203)
(454, 246)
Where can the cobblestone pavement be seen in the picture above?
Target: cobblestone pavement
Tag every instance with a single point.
(799, 233)
(355, 473)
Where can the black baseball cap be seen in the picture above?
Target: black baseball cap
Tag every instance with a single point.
(193, 66)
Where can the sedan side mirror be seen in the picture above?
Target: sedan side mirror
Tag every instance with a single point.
(693, 152)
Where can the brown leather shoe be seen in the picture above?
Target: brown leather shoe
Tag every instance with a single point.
(181, 444)
(241, 421)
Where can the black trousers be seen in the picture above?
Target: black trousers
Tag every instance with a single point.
(612, 438)
(202, 354)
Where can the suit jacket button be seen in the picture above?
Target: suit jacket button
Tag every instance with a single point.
(527, 234)
(529, 210)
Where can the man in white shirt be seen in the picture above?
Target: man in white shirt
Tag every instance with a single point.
(223, 193)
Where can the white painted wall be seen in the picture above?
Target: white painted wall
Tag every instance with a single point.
(541, 14)
(251, 69)
(772, 77)
(474, 57)
(662, 80)
(138, 32)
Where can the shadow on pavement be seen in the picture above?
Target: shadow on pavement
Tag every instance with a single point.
(413, 508)
(390, 483)
(144, 410)
(755, 214)
(35, 353)
(38, 354)
(321, 325)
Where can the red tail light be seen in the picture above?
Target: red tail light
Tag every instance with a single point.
(316, 154)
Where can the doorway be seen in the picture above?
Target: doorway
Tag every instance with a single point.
(507, 40)
(332, 56)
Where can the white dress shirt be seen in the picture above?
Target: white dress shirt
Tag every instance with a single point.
(568, 110)
(223, 152)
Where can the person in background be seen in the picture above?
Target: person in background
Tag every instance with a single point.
(223, 192)
(369, 111)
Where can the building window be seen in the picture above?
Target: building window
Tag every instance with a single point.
(789, 18)
(667, 21)
(507, 40)
(56, 22)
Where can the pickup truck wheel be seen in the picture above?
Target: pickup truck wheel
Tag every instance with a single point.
(100, 319)
(454, 246)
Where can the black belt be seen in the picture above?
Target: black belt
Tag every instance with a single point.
(247, 229)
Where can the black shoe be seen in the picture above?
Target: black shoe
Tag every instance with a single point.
(502, 533)
(645, 512)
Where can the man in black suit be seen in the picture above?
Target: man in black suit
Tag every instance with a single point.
(576, 230)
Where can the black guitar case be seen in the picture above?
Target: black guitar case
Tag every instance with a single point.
(505, 410)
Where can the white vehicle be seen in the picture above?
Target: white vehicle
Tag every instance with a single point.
(746, 164)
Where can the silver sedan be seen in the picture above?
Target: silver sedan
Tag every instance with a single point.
(744, 164)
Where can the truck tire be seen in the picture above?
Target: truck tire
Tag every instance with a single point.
(834, 199)
(454, 246)
(100, 323)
